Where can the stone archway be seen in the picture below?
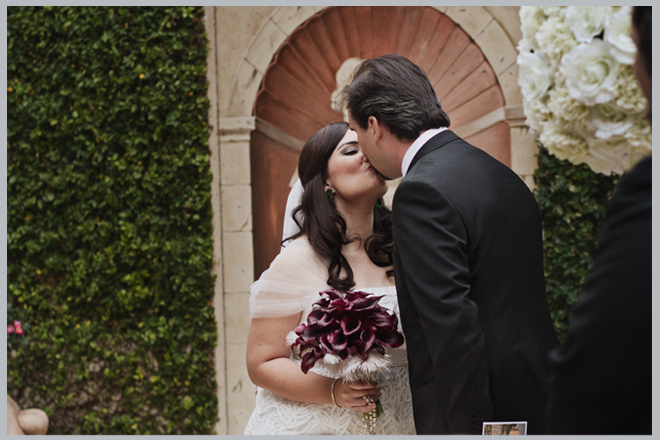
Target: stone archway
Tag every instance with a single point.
(294, 99)
(495, 29)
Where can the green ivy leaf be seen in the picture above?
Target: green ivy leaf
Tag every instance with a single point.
(570, 228)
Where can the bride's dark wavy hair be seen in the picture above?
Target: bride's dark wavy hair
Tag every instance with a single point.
(317, 217)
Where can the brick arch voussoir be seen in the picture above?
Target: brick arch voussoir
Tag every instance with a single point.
(284, 20)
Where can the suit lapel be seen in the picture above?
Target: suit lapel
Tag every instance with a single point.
(439, 140)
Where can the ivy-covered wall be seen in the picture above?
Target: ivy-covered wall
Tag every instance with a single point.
(109, 218)
(572, 200)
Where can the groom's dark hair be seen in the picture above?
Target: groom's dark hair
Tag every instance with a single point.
(397, 92)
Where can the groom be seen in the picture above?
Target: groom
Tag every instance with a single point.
(468, 259)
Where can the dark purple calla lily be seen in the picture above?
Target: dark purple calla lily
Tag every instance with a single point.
(309, 359)
(350, 324)
(346, 324)
(360, 351)
(333, 343)
(310, 332)
(366, 303)
(379, 348)
(326, 320)
(324, 344)
(341, 305)
(314, 316)
(368, 337)
(337, 340)
(383, 319)
(390, 339)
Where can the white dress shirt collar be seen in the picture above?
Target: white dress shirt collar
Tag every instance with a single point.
(416, 146)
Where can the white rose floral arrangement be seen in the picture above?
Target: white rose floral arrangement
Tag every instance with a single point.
(580, 94)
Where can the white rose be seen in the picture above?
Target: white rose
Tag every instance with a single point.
(608, 156)
(527, 45)
(582, 98)
(608, 121)
(534, 77)
(531, 18)
(554, 39)
(531, 118)
(562, 105)
(581, 129)
(537, 113)
(629, 94)
(554, 11)
(617, 35)
(586, 21)
(563, 143)
(590, 72)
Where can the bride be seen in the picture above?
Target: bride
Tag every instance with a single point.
(344, 242)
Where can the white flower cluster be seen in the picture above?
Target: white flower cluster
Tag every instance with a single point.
(579, 89)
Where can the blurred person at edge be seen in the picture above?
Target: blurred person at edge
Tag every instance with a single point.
(600, 380)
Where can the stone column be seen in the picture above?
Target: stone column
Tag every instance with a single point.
(237, 265)
(232, 253)
(214, 145)
(230, 31)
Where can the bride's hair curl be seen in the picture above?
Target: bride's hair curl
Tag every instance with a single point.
(318, 219)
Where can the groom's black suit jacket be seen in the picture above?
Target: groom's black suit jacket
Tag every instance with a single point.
(469, 276)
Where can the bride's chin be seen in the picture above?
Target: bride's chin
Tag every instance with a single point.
(375, 192)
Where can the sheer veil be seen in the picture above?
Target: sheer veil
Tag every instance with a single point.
(292, 202)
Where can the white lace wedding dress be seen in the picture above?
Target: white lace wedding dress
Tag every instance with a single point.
(291, 284)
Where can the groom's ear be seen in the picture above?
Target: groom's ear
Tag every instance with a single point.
(374, 127)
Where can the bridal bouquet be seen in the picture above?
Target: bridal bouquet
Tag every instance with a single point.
(347, 332)
(579, 89)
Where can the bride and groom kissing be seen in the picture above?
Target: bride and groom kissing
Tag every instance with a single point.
(458, 259)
